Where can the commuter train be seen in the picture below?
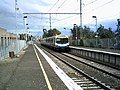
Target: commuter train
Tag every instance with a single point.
(58, 42)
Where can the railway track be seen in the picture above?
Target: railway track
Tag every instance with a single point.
(111, 76)
(115, 73)
(81, 78)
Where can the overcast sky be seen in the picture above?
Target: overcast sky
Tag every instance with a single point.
(104, 10)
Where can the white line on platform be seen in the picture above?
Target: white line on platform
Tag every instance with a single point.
(64, 77)
(44, 73)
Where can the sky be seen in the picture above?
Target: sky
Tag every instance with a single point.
(106, 11)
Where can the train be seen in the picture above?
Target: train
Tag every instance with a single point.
(58, 42)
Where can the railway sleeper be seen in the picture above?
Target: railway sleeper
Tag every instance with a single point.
(84, 82)
(92, 88)
(88, 85)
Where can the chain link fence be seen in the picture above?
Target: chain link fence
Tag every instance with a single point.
(108, 43)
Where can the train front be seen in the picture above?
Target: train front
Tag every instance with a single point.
(62, 43)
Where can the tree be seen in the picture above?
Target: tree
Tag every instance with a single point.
(111, 33)
(82, 33)
(75, 32)
(87, 33)
(22, 36)
(105, 33)
(51, 32)
(45, 33)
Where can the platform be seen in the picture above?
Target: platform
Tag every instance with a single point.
(26, 72)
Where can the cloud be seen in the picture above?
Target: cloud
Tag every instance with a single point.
(37, 22)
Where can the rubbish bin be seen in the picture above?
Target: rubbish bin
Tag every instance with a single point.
(11, 54)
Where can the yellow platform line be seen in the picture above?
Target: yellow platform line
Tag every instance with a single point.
(44, 73)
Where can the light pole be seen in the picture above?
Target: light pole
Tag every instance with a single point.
(75, 31)
(64, 28)
(96, 21)
(76, 34)
(25, 17)
(96, 36)
(27, 33)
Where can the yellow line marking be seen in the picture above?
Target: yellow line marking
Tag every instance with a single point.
(71, 85)
(44, 73)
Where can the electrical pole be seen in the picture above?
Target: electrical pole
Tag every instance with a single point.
(16, 17)
(50, 20)
(16, 25)
(81, 13)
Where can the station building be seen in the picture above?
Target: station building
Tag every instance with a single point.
(5, 36)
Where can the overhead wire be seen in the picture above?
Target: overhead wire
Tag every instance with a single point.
(61, 4)
(100, 6)
(74, 10)
(103, 18)
(51, 9)
(91, 2)
(86, 4)
(58, 9)
(53, 6)
(64, 18)
(104, 4)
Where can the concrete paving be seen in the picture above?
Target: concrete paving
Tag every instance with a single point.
(25, 73)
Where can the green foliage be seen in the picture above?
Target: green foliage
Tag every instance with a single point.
(82, 33)
(81, 42)
(105, 33)
(91, 44)
(22, 36)
(51, 32)
(87, 33)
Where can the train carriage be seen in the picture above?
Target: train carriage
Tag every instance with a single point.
(56, 42)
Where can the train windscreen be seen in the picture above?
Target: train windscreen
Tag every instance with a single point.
(62, 40)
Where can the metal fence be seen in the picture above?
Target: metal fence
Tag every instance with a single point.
(112, 43)
(7, 46)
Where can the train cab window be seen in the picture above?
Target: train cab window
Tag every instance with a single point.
(62, 40)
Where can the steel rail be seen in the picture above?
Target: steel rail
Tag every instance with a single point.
(113, 75)
(80, 71)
